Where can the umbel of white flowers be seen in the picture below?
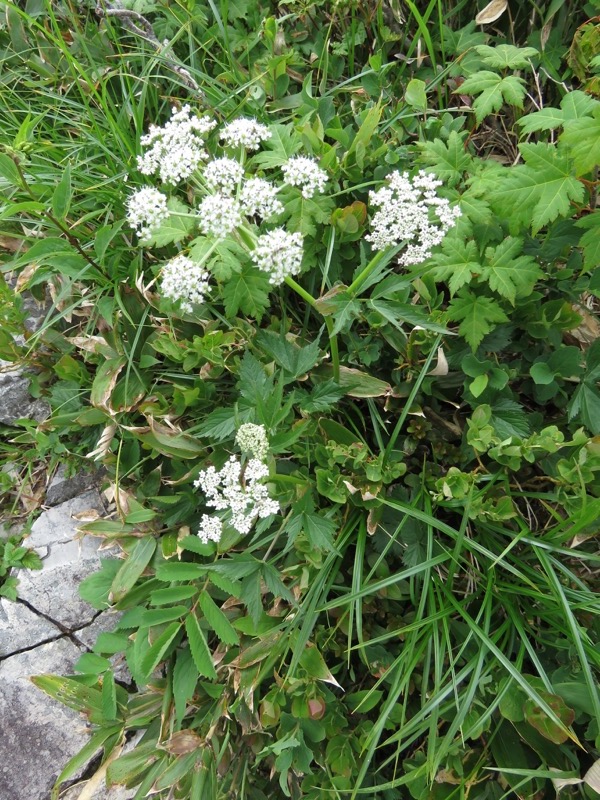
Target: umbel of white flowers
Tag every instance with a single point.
(410, 211)
(239, 491)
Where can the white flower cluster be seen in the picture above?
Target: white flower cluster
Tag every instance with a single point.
(278, 253)
(252, 439)
(258, 197)
(240, 492)
(306, 174)
(146, 210)
(246, 133)
(177, 148)
(184, 281)
(219, 215)
(223, 174)
(410, 211)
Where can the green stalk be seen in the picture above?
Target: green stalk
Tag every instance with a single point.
(333, 344)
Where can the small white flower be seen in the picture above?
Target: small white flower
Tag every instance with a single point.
(410, 211)
(210, 529)
(176, 149)
(184, 281)
(252, 439)
(247, 133)
(259, 198)
(243, 496)
(306, 174)
(146, 210)
(219, 215)
(223, 174)
(278, 253)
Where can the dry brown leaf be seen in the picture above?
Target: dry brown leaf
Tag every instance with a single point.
(491, 12)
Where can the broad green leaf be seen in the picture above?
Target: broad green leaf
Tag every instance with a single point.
(477, 316)
(131, 569)
(82, 759)
(550, 729)
(305, 213)
(174, 228)
(71, 693)
(415, 94)
(199, 648)
(174, 594)
(223, 260)
(510, 274)
(506, 56)
(493, 91)
(96, 587)
(455, 263)
(180, 571)
(399, 314)
(217, 620)
(322, 397)
(247, 292)
(583, 139)
(9, 171)
(313, 662)
(158, 648)
(168, 441)
(109, 696)
(509, 419)
(449, 160)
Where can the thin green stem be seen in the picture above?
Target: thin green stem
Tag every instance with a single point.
(333, 344)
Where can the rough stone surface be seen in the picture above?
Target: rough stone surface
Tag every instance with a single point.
(67, 560)
(39, 734)
(62, 488)
(21, 629)
(16, 402)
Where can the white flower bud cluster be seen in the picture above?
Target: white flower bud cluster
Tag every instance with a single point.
(306, 174)
(177, 148)
(246, 133)
(223, 174)
(219, 215)
(252, 439)
(279, 254)
(146, 210)
(184, 281)
(258, 197)
(410, 211)
(239, 492)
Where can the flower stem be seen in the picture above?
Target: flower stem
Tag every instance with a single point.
(333, 344)
(362, 277)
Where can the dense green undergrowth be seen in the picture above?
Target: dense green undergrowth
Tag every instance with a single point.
(420, 618)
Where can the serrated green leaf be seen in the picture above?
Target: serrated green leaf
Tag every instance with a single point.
(509, 419)
(542, 189)
(222, 260)
(217, 620)
(508, 273)
(248, 292)
(322, 397)
(506, 56)
(449, 160)
(131, 569)
(493, 91)
(109, 696)
(185, 678)
(455, 263)
(158, 648)
(574, 105)
(179, 571)
(199, 648)
(585, 404)
(174, 228)
(296, 361)
(305, 213)
(582, 137)
(277, 150)
(590, 240)
(477, 316)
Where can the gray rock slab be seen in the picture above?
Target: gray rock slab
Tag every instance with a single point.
(39, 734)
(63, 488)
(67, 560)
(16, 402)
(21, 629)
